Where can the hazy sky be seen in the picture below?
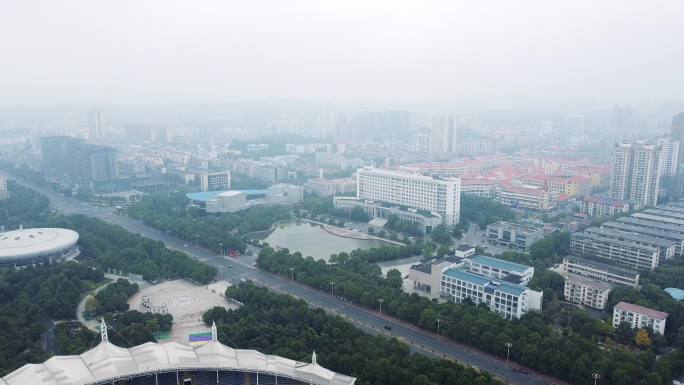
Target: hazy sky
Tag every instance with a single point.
(160, 51)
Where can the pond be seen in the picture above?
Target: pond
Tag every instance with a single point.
(312, 240)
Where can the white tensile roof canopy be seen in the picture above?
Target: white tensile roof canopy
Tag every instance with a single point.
(107, 363)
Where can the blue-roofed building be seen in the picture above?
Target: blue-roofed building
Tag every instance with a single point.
(504, 298)
(236, 200)
(500, 269)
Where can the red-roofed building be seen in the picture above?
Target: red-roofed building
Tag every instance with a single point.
(526, 197)
(639, 317)
(596, 206)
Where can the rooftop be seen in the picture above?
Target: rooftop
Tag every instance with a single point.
(500, 263)
(608, 233)
(593, 283)
(636, 229)
(205, 196)
(33, 242)
(502, 286)
(642, 310)
(464, 247)
(607, 266)
(108, 363)
(605, 200)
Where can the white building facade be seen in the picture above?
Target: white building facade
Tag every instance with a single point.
(639, 317)
(442, 196)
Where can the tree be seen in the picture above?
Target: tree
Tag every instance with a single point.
(440, 235)
(642, 339)
(394, 278)
(359, 215)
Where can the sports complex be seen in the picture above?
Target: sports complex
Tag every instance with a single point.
(173, 363)
(31, 247)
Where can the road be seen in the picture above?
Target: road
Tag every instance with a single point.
(234, 269)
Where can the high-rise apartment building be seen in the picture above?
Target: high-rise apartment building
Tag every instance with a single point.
(443, 136)
(95, 130)
(421, 143)
(215, 181)
(669, 155)
(635, 176)
(677, 133)
(4, 193)
(442, 196)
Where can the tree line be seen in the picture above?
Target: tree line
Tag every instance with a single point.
(110, 246)
(281, 325)
(29, 298)
(169, 212)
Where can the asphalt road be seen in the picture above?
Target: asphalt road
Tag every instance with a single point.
(241, 267)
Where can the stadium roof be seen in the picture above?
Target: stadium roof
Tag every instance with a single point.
(107, 363)
(35, 242)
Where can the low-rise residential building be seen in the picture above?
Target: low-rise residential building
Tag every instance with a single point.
(673, 235)
(667, 248)
(623, 253)
(425, 219)
(500, 269)
(601, 271)
(509, 300)
(657, 218)
(512, 235)
(639, 317)
(427, 276)
(586, 291)
(597, 206)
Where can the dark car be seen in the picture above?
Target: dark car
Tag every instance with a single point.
(524, 371)
(387, 327)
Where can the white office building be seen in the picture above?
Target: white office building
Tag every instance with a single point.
(215, 181)
(504, 298)
(639, 317)
(442, 196)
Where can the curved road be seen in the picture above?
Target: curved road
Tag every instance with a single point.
(235, 269)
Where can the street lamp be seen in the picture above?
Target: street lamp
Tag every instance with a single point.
(292, 274)
(508, 350)
(332, 288)
(596, 377)
(221, 248)
(381, 301)
(197, 236)
(439, 322)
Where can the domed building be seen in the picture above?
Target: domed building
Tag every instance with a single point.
(30, 247)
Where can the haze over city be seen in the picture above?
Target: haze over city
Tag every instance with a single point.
(341, 193)
(493, 54)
